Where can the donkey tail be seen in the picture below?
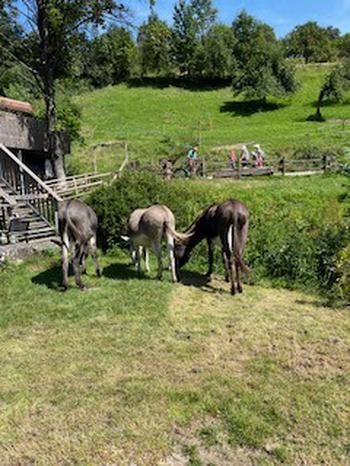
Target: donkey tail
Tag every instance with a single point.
(178, 236)
(232, 243)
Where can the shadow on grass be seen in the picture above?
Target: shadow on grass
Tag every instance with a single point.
(190, 278)
(120, 271)
(51, 278)
(247, 109)
(189, 84)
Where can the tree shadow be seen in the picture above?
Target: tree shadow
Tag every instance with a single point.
(51, 278)
(248, 108)
(182, 83)
(120, 271)
(190, 278)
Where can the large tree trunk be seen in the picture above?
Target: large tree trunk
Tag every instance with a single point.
(47, 74)
(52, 143)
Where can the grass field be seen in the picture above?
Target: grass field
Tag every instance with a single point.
(146, 116)
(140, 372)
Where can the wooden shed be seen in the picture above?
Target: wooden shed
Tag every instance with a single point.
(24, 135)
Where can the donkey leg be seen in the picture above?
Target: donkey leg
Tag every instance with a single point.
(170, 241)
(158, 252)
(225, 264)
(138, 259)
(238, 277)
(210, 258)
(146, 259)
(93, 252)
(231, 274)
(65, 261)
(79, 250)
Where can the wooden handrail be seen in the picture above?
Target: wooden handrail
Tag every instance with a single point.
(29, 172)
(8, 199)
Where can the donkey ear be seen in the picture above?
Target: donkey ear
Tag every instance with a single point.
(125, 238)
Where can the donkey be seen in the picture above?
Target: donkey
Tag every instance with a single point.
(226, 223)
(147, 228)
(77, 223)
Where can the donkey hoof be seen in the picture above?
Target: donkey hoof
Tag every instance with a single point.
(82, 287)
(240, 289)
(64, 288)
(98, 273)
(233, 291)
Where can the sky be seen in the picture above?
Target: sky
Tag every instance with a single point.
(282, 15)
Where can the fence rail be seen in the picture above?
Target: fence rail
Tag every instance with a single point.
(29, 187)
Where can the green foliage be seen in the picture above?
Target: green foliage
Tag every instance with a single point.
(154, 46)
(260, 69)
(295, 235)
(218, 44)
(110, 57)
(335, 86)
(68, 116)
(192, 20)
(312, 42)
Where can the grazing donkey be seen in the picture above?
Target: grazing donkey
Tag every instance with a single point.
(147, 228)
(77, 223)
(226, 223)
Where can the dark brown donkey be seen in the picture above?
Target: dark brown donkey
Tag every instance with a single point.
(226, 223)
(78, 224)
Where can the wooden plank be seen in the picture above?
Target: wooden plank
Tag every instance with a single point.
(10, 201)
(15, 105)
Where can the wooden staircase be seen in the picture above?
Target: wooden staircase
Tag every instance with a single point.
(25, 200)
(39, 227)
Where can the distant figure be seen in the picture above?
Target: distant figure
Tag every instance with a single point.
(233, 159)
(245, 156)
(192, 157)
(258, 156)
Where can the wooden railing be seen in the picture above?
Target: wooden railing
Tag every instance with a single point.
(79, 185)
(29, 187)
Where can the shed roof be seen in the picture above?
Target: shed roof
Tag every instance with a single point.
(15, 106)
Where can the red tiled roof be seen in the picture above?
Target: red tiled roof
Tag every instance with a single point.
(15, 105)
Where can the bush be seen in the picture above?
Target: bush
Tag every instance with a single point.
(296, 237)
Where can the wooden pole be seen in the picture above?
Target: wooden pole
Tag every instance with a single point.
(283, 165)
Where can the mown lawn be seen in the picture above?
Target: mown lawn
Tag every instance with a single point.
(136, 371)
(146, 116)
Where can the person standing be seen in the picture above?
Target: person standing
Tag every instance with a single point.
(233, 159)
(192, 157)
(245, 156)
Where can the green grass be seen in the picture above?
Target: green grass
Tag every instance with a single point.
(144, 116)
(136, 371)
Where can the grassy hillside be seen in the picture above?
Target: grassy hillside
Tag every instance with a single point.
(146, 116)
(134, 371)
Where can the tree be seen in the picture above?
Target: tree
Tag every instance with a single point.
(335, 86)
(260, 69)
(344, 46)
(109, 57)
(154, 46)
(51, 29)
(218, 57)
(183, 36)
(312, 42)
(192, 20)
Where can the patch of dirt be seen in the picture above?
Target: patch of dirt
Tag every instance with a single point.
(189, 446)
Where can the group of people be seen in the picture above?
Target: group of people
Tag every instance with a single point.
(257, 157)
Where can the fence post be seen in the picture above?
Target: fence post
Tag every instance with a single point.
(325, 163)
(283, 165)
(204, 167)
